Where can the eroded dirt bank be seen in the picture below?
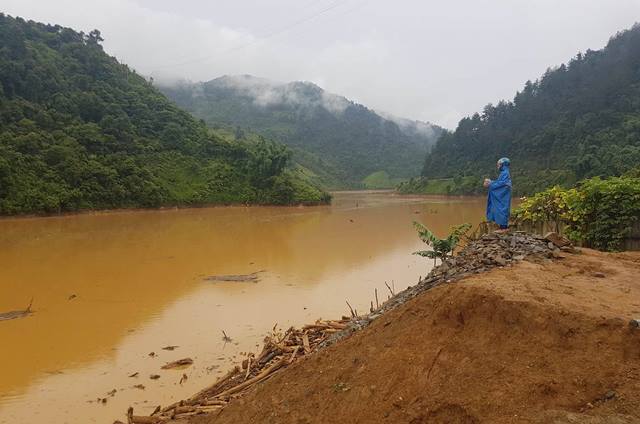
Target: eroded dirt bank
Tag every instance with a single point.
(536, 342)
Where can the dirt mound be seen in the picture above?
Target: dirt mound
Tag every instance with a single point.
(533, 343)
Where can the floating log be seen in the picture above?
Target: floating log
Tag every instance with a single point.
(179, 363)
(17, 314)
(171, 347)
(253, 277)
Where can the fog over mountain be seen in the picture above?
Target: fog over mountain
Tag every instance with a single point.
(421, 59)
(341, 143)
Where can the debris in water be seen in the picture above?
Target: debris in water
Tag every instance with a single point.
(253, 277)
(279, 351)
(171, 347)
(226, 338)
(178, 363)
(154, 376)
(183, 378)
(73, 296)
(17, 314)
(139, 386)
(152, 354)
(135, 374)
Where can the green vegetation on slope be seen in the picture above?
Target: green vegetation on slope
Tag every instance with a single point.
(78, 130)
(339, 141)
(579, 120)
(455, 186)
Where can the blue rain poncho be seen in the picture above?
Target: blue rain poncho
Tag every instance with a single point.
(499, 198)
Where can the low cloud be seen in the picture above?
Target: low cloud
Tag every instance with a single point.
(265, 93)
(421, 59)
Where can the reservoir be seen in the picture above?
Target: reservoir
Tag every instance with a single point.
(111, 289)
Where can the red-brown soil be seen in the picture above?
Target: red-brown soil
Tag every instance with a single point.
(534, 343)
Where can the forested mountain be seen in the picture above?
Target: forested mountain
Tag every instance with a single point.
(78, 130)
(578, 120)
(340, 142)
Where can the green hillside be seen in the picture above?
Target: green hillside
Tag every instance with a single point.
(78, 130)
(340, 142)
(579, 120)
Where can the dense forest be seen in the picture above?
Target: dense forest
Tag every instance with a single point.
(579, 120)
(338, 142)
(78, 130)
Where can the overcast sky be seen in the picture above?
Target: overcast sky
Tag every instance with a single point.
(431, 60)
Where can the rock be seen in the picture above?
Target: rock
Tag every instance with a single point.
(634, 323)
(609, 395)
(518, 257)
(557, 239)
(599, 275)
(500, 261)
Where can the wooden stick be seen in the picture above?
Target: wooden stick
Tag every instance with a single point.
(145, 420)
(305, 343)
(170, 407)
(338, 325)
(434, 362)
(185, 415)
(264, 374)
(184, 409)
(217, 384)
(389, 287)
(214, 402)
(248, 368)
(377, 304)
(293, 355)
(353, 314)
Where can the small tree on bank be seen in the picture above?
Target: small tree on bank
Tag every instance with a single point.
(441, 248)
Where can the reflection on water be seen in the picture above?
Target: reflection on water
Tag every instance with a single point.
(138, 283)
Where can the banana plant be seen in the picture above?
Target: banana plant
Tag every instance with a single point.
(440, 248)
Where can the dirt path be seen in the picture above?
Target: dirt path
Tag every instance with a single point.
(534, 343)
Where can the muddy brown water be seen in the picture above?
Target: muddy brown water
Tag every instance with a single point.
(110, 288)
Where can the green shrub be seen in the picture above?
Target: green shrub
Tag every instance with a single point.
(598, 212)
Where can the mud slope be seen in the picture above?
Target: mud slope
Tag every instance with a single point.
(539, 343)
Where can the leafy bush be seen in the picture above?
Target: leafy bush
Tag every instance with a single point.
(551, 205)
(598, 212)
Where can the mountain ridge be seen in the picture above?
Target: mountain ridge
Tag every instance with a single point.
(352, 141)
(79, 130)
(578, 120)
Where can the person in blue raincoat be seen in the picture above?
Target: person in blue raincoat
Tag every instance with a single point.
(499, 198)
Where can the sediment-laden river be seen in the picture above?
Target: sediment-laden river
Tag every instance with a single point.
(110, 288)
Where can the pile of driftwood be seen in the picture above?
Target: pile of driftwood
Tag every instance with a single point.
(280, 350)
